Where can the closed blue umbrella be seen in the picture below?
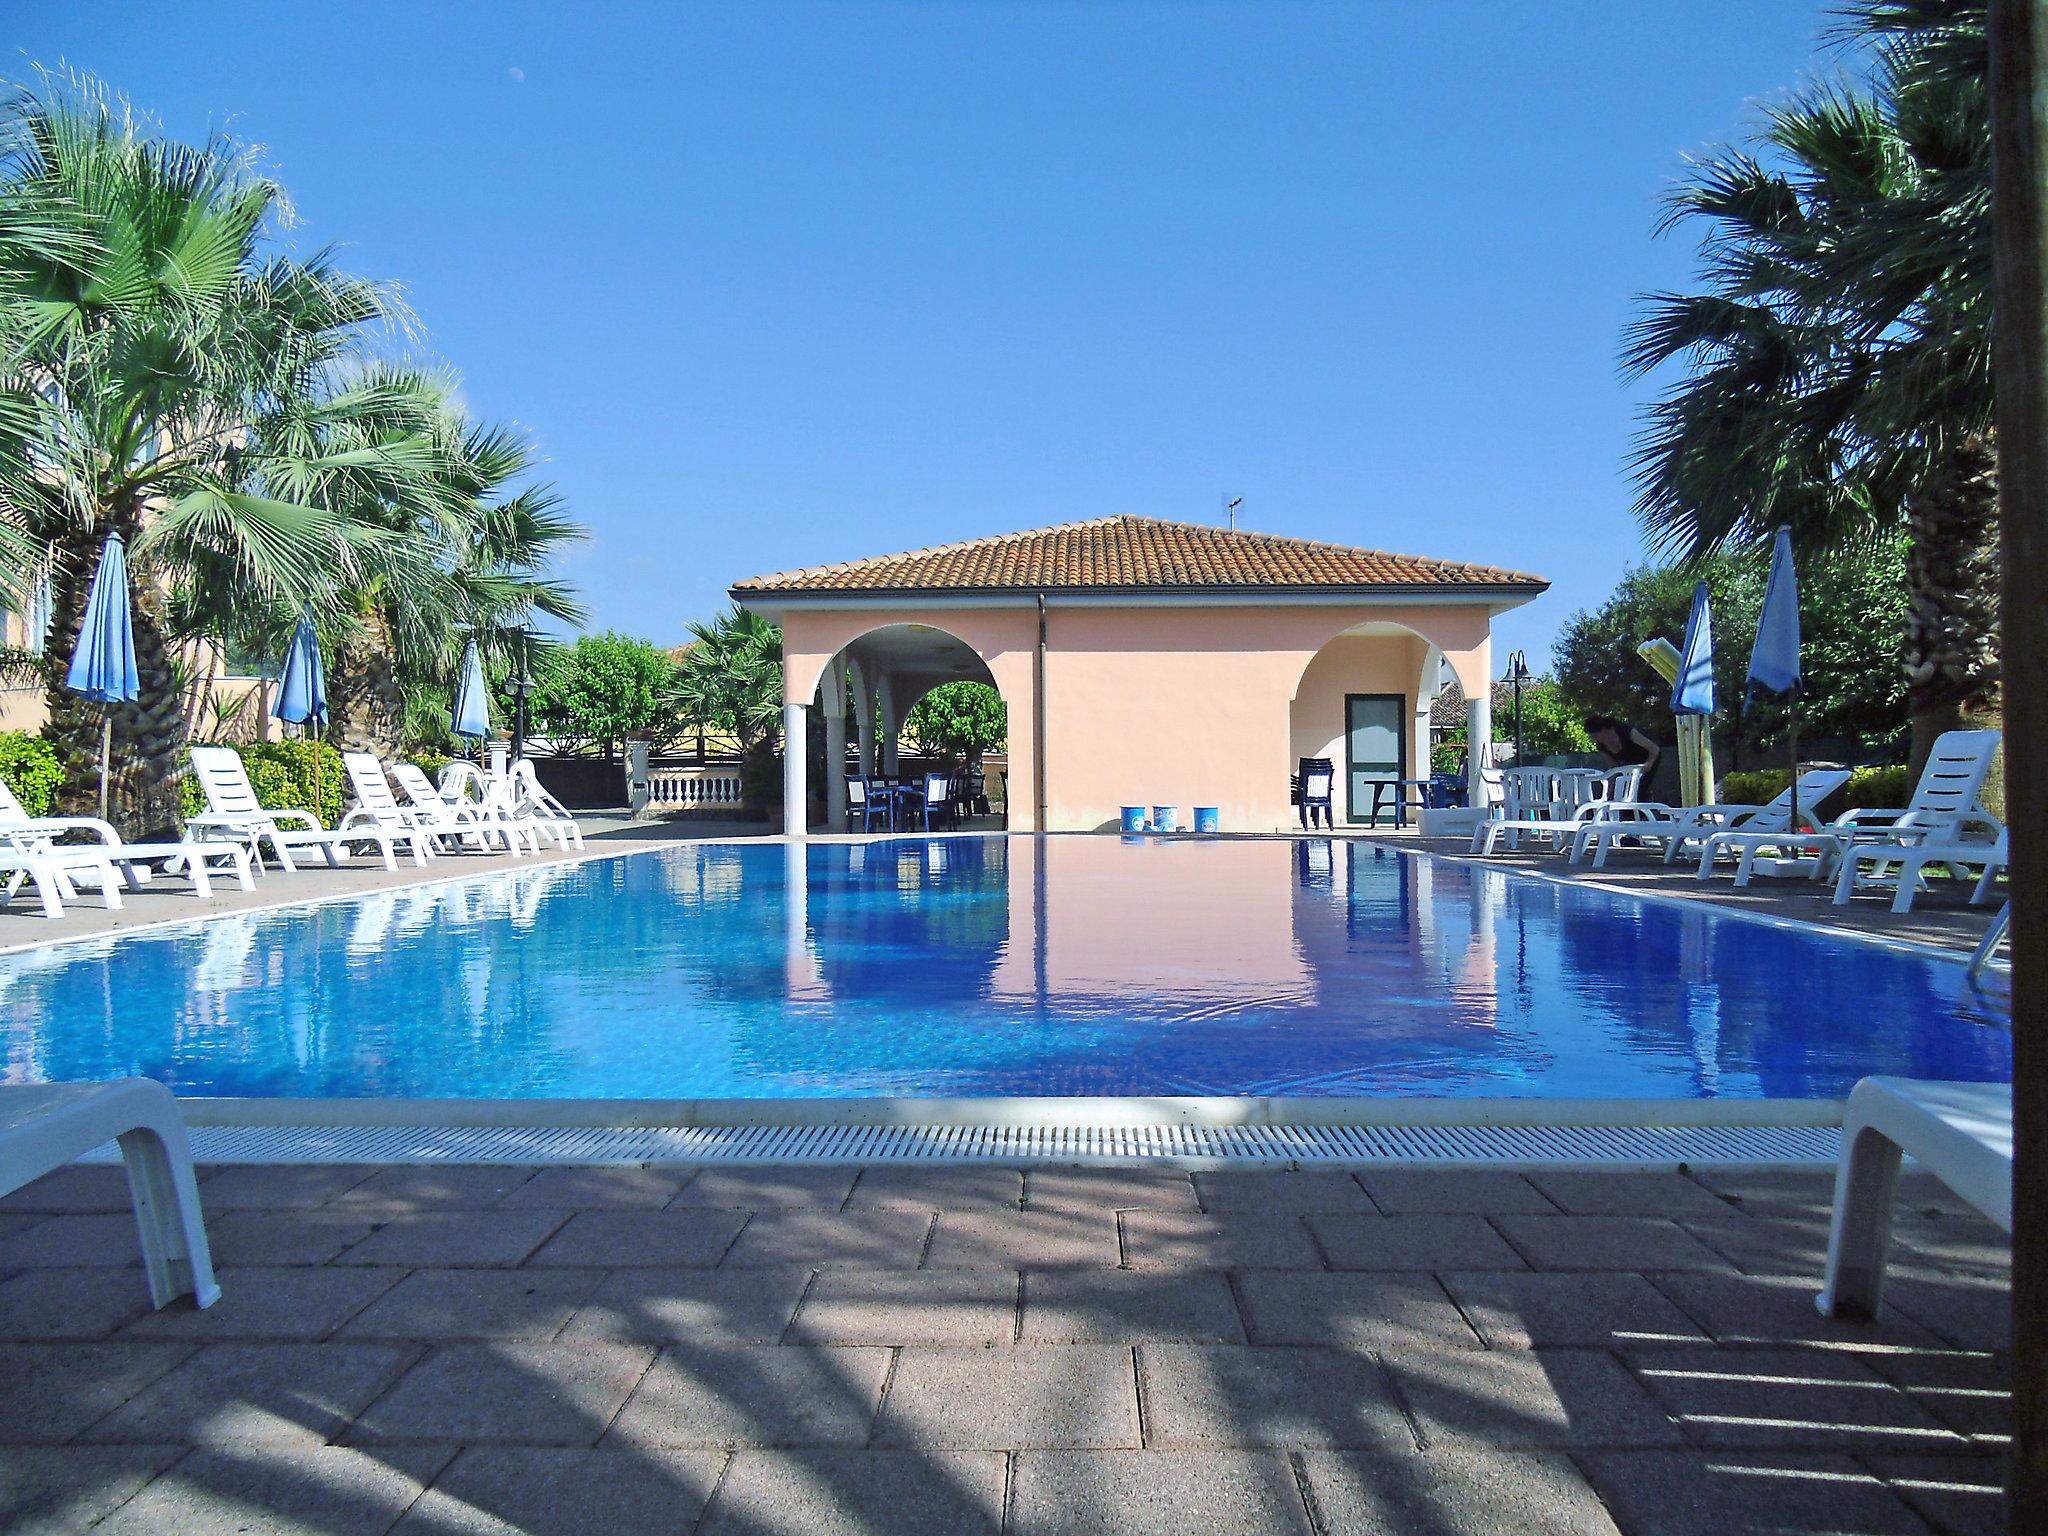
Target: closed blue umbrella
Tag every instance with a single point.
(103, 661)
(1692, 691)
(302, 687)
(1774, 662)
(472, 698)
(302, 694)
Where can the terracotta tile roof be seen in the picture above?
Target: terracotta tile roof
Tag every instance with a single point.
(1125, 554)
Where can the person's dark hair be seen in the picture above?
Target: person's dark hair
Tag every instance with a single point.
(1595, 724)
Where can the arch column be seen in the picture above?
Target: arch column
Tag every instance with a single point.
(1478, 742)
(863, 714)
(891, 725)
(832, 699)
(1425, 706)
(795, 759)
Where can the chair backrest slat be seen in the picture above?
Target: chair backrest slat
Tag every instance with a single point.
(935, 789)
(12, 812)
(225, 782)
(419, 789)
(856, 792)
(366, 778)
(1954, 776)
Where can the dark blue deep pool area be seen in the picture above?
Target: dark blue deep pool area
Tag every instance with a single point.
(996, 966)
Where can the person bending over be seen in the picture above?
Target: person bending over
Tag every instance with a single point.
(1623, 745)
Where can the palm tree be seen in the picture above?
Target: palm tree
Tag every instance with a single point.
(465, 559)
(1839, 358)
(730, 679)
(161, 379)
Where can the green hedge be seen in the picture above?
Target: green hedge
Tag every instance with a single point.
(1878, 788)
(29, 765)
(281, 773)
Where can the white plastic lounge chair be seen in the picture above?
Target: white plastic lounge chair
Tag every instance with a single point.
(376, 806)
(233, 813)
(52, 879)
(1987, 947)
(45, 1126)
(531, 801)
(1905, 866)
(456, 817)
(1959, 1132)
(501, 803)
(1678, 827)
(1944, 802)
(43, 834)
(1574, 800)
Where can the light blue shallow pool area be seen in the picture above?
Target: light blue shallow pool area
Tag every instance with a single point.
(996, 966)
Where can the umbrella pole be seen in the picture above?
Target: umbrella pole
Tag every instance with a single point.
(106, 753)
(1794, 713)
(319, 800)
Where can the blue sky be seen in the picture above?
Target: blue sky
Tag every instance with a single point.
(779, 284)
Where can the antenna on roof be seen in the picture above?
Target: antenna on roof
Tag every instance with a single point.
(1230, 506)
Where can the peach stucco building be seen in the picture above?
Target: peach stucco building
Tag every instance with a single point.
(1143, 662)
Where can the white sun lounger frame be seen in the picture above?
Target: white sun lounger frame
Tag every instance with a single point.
(43, 1126)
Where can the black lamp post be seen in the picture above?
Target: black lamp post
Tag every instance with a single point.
(1518, 674)
(519, 685)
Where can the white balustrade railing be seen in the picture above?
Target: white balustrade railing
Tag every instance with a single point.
(693, 789)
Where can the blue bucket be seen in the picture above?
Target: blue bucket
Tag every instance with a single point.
(1206, 819)
(1134, 818)
(1165, 818)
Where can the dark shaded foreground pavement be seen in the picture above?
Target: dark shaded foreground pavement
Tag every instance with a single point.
(908, 1350)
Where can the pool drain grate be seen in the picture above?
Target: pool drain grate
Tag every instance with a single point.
(1468, 1145)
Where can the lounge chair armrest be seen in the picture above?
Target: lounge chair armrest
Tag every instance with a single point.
(237, 821)
(101, 831)
(291, 816)
(1867, 815)
(1727, 810)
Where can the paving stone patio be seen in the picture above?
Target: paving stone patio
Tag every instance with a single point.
(947, 1350)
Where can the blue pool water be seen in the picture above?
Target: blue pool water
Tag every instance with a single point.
(995, 966)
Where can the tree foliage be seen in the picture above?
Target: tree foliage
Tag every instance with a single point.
(1837, 353)
(958, 722)
(603, 689)
(1850, 605)
(730, 679)
(169, 373)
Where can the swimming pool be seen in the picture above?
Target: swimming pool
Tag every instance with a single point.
(975, 967)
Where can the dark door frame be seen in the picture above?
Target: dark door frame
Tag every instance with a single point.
(1355, 815)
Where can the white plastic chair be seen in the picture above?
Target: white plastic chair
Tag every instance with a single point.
(1959, 1132)
(1678, 827)
(1574, 800)
(1905, 866)
(1944, 803)
(234, 812)
(455, 817)
(44, 835)
(532, 801)
(45, 1126)
(376, 806)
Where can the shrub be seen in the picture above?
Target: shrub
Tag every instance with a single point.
(761, 782)
(1884, 787)
(281, 773)
(29, 765)
(428, 760)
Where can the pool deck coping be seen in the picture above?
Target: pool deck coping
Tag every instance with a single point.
(1220, 1111)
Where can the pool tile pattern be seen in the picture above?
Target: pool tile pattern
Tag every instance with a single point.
(905, 1350)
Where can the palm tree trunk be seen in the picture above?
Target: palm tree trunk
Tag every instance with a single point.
(149, 732)
(365, 702)
(1952, 579)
